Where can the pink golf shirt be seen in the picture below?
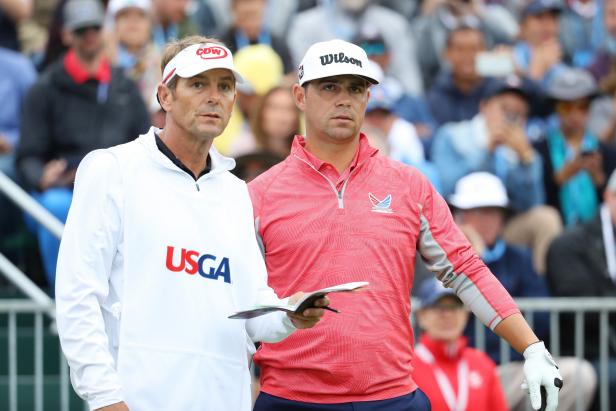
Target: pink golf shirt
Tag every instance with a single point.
(318, 229)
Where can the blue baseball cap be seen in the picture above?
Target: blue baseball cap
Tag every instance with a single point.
(381, 97)
(536, 7)
(431, 291)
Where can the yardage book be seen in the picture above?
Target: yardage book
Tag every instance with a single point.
(306, 302)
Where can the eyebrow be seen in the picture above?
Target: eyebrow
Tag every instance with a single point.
(202, 76)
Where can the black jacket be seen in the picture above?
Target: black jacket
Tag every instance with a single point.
(577, 267)
(63, 119)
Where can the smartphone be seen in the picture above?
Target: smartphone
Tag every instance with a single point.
(586, 153)
(492, 64)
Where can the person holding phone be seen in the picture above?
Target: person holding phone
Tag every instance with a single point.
(495, 141)
(575, 162)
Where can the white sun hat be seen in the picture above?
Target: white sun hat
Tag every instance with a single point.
(116, 6)
(335, 58)
(198, 58)
(478, 190)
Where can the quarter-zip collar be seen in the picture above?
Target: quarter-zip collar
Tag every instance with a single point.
(364, 152)
(167, 151)
(219, 163)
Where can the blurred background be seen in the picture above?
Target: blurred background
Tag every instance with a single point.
(507, 106)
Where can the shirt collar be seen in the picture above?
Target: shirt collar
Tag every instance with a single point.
(80, 75)
(443, 351)
(364, 152)
(167, 152)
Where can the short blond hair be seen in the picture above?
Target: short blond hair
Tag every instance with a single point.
(174, 47)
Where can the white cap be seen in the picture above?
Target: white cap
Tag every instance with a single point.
(477, 190)
(335, 58)
(115, 6)
(198, 58)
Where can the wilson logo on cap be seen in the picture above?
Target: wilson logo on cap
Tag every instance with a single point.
(339, 58)
(212, 52)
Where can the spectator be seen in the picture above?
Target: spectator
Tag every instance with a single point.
(263, 69)
(11, 13)
(343, 19)
(273, 123)
(440, 17)
(16, 77)
(444, 363)
(495, 141)
(602, 120)
(171, 21)
(412, 108)
(131, 45)
(539, 54)
(604, 60)
(276, 121)
(56, 45)
(481, 202)
(403, 141)
(582, 263)
(580, 43)
(249, 28)
(459, 88)
(79, 104)
(575, 162)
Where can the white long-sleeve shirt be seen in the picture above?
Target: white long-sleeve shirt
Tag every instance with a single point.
(151, 264)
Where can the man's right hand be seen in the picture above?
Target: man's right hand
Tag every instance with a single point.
(52, 173)
(119, 406)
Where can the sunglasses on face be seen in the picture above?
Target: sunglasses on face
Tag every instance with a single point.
(80, 32)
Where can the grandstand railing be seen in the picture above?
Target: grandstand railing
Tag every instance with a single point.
(24, 201)
(555, 306)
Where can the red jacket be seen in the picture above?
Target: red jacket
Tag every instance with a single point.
(319, 229)
(485, 392)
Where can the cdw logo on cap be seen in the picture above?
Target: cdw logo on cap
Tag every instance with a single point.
(212, 52)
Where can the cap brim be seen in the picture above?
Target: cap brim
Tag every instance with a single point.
(369, 79)
(84, 24)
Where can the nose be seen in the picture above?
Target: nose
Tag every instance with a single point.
(344, 99)
(214, 95)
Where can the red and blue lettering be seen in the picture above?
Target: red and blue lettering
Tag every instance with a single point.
(193, 262)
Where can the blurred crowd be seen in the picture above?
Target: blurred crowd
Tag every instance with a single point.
(508, 106)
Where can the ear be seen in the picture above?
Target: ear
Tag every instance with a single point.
(299, 96)
(165, 97)
(67, 38)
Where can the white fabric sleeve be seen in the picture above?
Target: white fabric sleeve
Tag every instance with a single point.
(87, 249)
(272, 327)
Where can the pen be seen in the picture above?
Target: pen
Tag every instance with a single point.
(331, 309)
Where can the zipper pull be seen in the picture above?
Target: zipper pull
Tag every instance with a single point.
(197, 185)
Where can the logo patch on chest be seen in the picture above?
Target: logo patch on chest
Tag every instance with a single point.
(380, 206)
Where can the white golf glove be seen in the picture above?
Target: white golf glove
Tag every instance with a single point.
(540, 370)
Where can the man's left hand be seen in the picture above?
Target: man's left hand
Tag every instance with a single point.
(310, 316)
(541, 370)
